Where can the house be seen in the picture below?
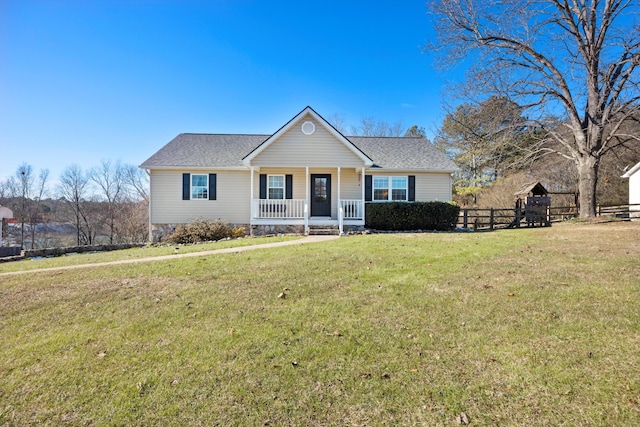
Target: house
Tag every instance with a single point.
(306, 175)
(4, 213)
(634, 191)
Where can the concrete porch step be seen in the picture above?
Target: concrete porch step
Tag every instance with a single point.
(324, 230)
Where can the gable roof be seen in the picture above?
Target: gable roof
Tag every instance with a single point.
(235, 151)
(311, 112)
(211, 151)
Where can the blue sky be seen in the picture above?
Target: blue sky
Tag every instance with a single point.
(86, 80)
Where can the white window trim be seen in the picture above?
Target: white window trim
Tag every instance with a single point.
(206, 186)
(284, 186)
(390, 188)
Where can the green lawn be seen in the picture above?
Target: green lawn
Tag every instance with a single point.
(518, 327)
(134, 253)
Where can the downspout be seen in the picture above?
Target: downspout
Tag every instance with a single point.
(150, 232)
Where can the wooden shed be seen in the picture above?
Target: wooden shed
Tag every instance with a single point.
(536, 202)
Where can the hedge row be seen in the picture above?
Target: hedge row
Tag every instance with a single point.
(403, 216)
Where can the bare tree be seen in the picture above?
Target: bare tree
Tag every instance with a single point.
(23, 184)
(338, 121)
(136, 182)
(573, 63)
(25, 193)
(372, 127)
(109, 178)
(35, 203)
(73, 188)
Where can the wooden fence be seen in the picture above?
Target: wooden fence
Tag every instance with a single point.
(492, 218)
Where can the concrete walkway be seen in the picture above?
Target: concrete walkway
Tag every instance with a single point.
(308, 239)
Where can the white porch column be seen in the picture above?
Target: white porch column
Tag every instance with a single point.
(251, 196)
(339, 203)
(306, 201)
(363, 193)
(339, 187)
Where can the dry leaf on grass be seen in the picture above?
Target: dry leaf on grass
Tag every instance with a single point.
(462, 418)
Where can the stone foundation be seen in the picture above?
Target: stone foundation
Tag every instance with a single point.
(353, 229)
(266, 230)
(159, 232)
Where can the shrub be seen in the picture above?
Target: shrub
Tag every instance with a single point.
(204, 230)
(404, 216)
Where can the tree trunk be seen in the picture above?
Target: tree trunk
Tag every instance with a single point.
(587, 180)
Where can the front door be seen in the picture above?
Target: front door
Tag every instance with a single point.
(320, 195)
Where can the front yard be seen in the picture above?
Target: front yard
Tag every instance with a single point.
(514, 327)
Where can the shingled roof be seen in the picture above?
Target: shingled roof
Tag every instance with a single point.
(204, 150)
(403, 153)
(189, 150)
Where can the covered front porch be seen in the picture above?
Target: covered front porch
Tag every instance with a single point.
(308, 197)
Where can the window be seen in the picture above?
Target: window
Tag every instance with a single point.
(380, 188)
(199, 187)
(390, 188)
(275, 187)
(399, 188)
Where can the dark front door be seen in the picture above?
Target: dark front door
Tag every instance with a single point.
(320, 195)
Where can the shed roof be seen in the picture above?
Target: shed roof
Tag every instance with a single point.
(534, 188)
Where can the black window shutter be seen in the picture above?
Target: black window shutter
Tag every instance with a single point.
(412, 188)
(212, 186)
(263, 186)
(186, 186)
(288, 186)
(368, 188)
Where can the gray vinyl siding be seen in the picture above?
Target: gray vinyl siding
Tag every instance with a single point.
(167, 206)
(294, 148)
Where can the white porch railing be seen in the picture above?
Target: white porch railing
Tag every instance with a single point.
(352, 209)
(295, 208)
(281, 209)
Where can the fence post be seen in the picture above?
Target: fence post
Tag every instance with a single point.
(465, 216)
(491, 220)
(598, 209)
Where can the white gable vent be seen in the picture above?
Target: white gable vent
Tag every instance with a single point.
(308, 128)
